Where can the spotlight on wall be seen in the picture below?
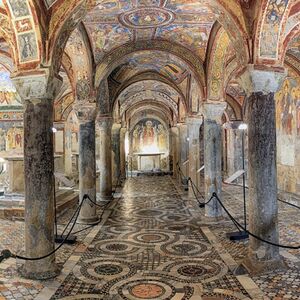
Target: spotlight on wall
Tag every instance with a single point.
(243, 126)
(54, 130)
(188, 139)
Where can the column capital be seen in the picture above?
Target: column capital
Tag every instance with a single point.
(194, 120)
(104, 121)
(214, 110)
(38, 85)
(85, 112)
(255, 78)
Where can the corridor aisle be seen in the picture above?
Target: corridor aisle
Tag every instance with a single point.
(150, 247)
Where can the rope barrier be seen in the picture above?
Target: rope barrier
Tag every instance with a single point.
(280, 200)
(6, 253)
(237, 224)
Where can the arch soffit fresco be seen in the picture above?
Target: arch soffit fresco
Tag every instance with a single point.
(151, 76)
(116, 57)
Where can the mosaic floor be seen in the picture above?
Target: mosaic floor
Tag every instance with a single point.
(154, 243)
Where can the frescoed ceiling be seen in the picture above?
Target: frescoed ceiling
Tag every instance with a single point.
(163, 63)
(294, 47)
(113, 23)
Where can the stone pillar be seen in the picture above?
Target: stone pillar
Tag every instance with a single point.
(115, 143)
(183, 149)
(175, 149)
(87, 162)
(122, 152)
(38, 93)
(68, 151)
(105, 125)
(194, 124)
(263, 207)
(213, 155)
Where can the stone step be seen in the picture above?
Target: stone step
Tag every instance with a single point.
(66, 200)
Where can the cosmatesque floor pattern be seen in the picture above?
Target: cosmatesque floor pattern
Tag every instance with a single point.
(155, 243)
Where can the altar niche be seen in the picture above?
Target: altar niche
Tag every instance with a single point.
(149, 146)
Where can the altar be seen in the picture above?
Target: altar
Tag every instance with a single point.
(149, 161)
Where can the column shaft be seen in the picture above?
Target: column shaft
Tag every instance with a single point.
(122, 152)
(194, 151)
(105, 159)
(87, 171)
(39, 184)
(213, 143)
(262, 175)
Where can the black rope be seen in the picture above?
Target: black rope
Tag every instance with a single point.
(280, 200)
(250, 233)
(6, 253)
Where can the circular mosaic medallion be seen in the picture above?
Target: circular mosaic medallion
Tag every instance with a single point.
(147, 290)
(108, 269)
(151, 237)
(150, 288)
(188, 248)
(146, 17)
(191, 270)
(197, 270)
(184, 248)
(109, 247)
(149, 213)
(95, 270)
(117, 247)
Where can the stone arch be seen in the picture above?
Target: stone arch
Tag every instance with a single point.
(111, 60)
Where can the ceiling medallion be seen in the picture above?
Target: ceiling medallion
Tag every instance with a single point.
(146, 17)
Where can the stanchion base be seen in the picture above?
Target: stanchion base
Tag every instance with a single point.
(70, 240)
(237, 236)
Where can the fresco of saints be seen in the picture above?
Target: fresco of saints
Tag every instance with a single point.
(161, 137)
(148, 134)
(136, 138)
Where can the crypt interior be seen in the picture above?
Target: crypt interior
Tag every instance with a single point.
(149, 149)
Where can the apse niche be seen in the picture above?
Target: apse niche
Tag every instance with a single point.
(149, 145)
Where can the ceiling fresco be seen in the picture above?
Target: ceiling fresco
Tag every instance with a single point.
(166, 64)
(148, 86)
(113, 23)
(294, 47)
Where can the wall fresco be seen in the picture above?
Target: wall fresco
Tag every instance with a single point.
(8, 93)
(149, 134)
(288, 133)
(11, 136)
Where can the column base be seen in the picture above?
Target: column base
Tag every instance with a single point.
(105, 198)
(88, 221)
(25, 272)
(258, 267)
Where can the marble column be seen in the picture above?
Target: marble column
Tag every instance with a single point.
(122, 152)
(183, 149)
(38, 93)
(263, 207)
(115, 142)
(105, 126)
(175, 149)
(193, 124)
(87, 163)
(68, 151)
(213, 142)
